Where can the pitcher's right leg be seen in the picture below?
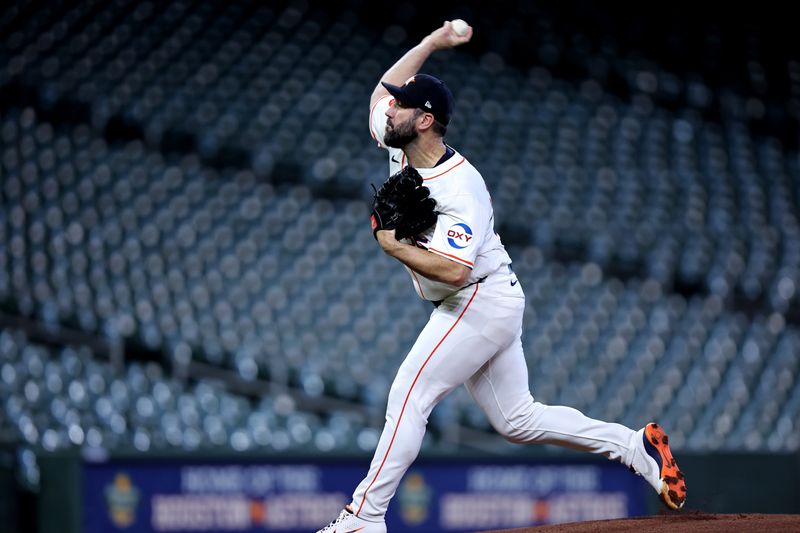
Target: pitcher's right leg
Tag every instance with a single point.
(501, 388)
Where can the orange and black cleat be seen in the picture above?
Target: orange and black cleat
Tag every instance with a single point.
(673, 483)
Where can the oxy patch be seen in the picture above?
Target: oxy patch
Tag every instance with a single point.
(459, 236)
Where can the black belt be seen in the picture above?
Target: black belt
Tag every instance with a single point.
(437, 303)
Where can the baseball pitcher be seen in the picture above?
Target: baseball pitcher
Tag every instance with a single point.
(434, 215)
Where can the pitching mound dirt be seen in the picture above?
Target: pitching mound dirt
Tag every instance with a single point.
(676, 523)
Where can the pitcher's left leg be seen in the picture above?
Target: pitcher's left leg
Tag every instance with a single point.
(448, 351)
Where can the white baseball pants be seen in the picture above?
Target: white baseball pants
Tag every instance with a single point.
(474, 338)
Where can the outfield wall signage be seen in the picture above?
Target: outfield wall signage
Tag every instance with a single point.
(159, 496)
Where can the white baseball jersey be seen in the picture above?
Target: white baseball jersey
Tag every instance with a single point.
(473, 337)
(464, 231)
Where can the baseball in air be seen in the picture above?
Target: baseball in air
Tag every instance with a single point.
(459, 26)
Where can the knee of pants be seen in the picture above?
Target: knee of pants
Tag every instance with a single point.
(411, 397)
(400, 385)
(510, 433)
(518, 427)
(518, 435)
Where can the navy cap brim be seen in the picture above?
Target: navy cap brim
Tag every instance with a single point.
(395, 91)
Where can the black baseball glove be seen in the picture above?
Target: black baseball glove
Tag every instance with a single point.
(404, 205)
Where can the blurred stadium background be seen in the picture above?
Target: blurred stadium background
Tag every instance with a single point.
(186, 269)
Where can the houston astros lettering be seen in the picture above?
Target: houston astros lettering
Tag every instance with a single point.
(473, 337)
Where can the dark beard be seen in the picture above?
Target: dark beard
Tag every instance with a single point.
(401, 135)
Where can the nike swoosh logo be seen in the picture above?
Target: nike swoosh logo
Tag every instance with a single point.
(353, 530)
(514, 282)
(396, 161)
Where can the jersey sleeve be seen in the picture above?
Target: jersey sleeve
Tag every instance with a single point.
(377, 119)
(459, 231)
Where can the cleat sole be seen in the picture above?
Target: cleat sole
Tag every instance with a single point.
(673, 484)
